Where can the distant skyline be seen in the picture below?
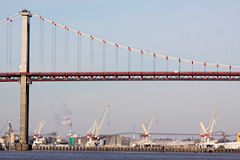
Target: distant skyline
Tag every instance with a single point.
(203, 30)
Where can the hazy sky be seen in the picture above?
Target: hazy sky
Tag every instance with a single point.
(201, 29)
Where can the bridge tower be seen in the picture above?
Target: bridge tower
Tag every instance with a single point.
(24, 67)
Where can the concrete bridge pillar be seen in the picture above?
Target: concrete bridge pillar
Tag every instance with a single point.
(24, 110)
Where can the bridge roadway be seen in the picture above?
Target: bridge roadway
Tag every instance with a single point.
(121, 76)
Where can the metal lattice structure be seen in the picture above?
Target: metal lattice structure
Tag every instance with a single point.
(122, 76)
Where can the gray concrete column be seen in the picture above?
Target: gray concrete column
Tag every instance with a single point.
(24, 110)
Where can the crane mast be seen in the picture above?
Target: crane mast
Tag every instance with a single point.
(212, 122)
(99, 126)
(151, 122)
(144, 128)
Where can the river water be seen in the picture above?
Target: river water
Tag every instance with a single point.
(90, 155)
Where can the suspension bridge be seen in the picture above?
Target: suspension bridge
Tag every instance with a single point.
(62, 53)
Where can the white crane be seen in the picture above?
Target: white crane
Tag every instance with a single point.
(10, 135)
(99, 125)
(37, 131)
(93, 132)
(206, 132)
(146, 134)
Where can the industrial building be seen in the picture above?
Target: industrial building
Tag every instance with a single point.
(107, 140)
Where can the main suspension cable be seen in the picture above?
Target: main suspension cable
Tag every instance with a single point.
(144, 52)
(9, 19)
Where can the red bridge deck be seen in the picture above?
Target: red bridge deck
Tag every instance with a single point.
(122, 76)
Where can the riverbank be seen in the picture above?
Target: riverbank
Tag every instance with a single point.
(133, 149)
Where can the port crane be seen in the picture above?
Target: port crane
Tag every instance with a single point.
(207, 132)
(37, 132)
(146, 136)
(93, 132)
(10, 135)
(10, 129)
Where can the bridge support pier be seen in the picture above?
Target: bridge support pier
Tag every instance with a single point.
(24, 110)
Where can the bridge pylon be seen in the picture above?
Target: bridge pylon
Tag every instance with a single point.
(24, 68)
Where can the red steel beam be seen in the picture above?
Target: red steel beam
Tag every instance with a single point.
(122, 76)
